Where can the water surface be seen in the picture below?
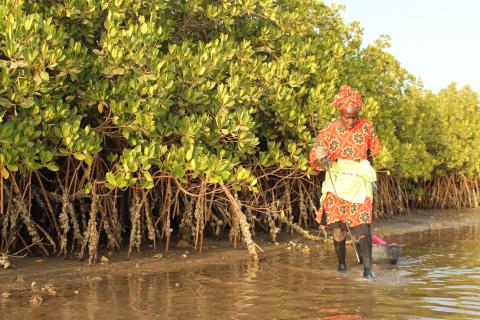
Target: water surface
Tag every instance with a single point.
(437, 277)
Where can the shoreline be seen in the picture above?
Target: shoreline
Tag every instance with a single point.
(422, 220)
(59, 270)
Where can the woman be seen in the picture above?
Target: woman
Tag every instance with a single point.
(344, 150)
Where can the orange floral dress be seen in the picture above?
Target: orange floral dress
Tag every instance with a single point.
(355, 144)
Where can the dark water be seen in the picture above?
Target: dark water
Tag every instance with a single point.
(438, 277)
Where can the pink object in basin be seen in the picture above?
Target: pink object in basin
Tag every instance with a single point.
(377, 240)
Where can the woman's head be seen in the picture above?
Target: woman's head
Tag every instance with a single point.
(349, 116)
(348, 103)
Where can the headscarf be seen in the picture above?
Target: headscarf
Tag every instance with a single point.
(345, 97)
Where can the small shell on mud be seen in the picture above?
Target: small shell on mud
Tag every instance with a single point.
(4, 261)
(35, 299)
(6, 294)
(104, 259)
(49, 289)
(184, 255)
(158, 256)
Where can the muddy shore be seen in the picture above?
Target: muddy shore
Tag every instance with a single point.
(59, 271)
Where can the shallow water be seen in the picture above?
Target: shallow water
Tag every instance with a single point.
(437, 277)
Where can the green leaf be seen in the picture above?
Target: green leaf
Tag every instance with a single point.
(144, 28)
(111, 179)
(88, 159)
(189, 154)
(88, 187)
(112, 156)
(79, 156)
(147, 176)
(5, 103)
(44, 75)
(12, 167)
(5, 173)
(146, 184)
(33, 165)
(122, 182)
(52, 167)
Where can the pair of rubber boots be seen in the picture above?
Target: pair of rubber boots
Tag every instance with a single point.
(364, 250)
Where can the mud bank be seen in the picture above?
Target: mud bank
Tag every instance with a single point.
(59, 272)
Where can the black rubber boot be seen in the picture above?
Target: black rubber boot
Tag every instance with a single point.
(340, 250)
(366, 253)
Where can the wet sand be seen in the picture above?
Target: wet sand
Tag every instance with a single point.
(58, 271)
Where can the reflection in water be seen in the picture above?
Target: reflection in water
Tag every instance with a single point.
(438, 277)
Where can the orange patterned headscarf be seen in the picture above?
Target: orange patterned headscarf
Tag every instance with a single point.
(345, 97)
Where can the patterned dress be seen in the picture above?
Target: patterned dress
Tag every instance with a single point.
(354, 144)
